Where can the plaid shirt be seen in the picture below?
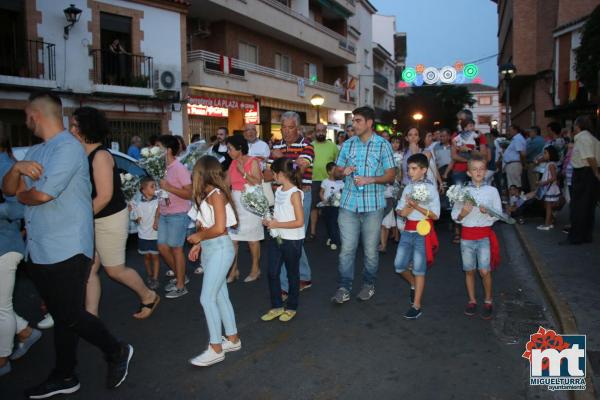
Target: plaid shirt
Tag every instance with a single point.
(301, 148)
(370, 159)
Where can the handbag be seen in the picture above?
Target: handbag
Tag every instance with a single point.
(267, 189)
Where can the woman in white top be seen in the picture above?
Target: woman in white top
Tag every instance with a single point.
(214, 212)
(287, 227)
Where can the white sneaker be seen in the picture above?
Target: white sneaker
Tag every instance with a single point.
(333, 246)
(545, 227)
(172, 285)
(208, 358)
(170, 273)
(228, 345)
(47, 322)
(328, 242)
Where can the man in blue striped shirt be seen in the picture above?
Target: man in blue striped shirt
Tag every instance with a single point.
(367, 163)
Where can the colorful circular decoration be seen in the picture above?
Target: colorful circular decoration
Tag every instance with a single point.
(431, 75)
(470, 71)
(409, 74)
(460, 78)
(420, 68)
(423, 227)
(448, 74)
(459, 66)
(419, 80)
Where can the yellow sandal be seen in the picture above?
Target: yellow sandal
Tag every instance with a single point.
(272, 314)
(287, 315)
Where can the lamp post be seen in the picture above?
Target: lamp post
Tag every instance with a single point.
(72, 15)
(317, 100)
(417, 117)
(507, 71)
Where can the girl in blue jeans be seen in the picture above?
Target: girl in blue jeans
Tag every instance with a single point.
(287, 226)
(214, 212)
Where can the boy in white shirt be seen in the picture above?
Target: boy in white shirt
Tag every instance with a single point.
(331, 191)
(147, 213)
(478, 245)
(418, 242)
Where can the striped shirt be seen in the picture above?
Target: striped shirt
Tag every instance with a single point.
(372, 158)
(301, 148)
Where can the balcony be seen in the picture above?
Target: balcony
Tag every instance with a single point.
(32, 65)
(380, 80)
(257, 80)
(122, 73)
(277, 20)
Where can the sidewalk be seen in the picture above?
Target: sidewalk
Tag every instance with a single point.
(574, 276)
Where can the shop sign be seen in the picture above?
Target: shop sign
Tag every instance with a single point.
(219, 107)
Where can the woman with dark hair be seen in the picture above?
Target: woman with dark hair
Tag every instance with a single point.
(111, 217)
(182, 146)
(173, 220)
(12, 248)
(244, 170)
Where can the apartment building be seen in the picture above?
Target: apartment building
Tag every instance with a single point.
(539, 38)
(72, 51)
(384, 67)
(361, 72)
(250, 61)
(486, 109)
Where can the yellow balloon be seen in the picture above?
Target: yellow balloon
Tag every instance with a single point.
(423, 227)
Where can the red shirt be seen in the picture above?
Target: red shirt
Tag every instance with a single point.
(472, 141)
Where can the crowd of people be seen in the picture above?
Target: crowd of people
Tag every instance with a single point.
(368, 188)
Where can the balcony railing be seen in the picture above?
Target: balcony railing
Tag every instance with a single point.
(380, 80)
(122, 69)
(239, 68)
(344, 42)
(36, 59)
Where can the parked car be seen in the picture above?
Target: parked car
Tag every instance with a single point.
(125, 164)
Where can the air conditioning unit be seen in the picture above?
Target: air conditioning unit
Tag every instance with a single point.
(167, 78)
(199, 27)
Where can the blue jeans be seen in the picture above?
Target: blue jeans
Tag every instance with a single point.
(217, 256)
(352, 226)
(475, 254)
(305, 274)
(288, 254)
(411, 248)
(172, 229)
(330, 215)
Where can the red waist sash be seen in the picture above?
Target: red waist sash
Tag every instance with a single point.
(482, 232)
(431, 240)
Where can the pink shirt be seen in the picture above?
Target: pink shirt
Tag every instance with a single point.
(235, 178)
(178, 176)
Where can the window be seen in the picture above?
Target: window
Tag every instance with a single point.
(484, 119)
(366, 99)
(366, 60)
(310, 71)
(248, 52)
(283, 63)
(484, 100)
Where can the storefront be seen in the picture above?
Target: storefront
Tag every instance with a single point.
(207, 113)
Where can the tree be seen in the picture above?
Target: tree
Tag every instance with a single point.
(587, 56)
(436, 102)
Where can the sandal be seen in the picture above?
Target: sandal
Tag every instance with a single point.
(150, 306)
(310, 237)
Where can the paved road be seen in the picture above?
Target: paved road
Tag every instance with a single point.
(357, 350)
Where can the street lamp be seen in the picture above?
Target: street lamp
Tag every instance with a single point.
(72, 15)
(417, 117)
(317, 100)
(507, 71)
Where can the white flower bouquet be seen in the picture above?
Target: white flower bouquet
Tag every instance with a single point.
(129, 186)
(255, 201)
(154, 161)
(332, 201)
(194, 151)
(420, 193)
(459, 194)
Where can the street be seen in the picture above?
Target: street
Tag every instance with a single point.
(356, 350)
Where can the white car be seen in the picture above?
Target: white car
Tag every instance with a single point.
(125, 164)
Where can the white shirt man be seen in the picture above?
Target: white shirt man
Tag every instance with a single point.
(256, 147)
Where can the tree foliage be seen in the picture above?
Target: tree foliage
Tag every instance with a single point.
(587, 56)
(436, 103)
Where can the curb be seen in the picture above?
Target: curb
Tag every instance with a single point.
(562, 310)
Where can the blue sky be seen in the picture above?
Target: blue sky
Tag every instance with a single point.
(440, 32)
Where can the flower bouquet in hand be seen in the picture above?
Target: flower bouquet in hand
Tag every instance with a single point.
(459, 194)
(254, 200)
(129, 187)
(154, 161)
(332, 201)
(420, 193)
(194, 151)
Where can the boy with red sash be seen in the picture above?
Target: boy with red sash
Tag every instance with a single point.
(478, 245)
(418, 242)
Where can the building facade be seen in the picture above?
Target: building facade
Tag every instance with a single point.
(251, 61)
(137, 85)
(362, 70)
(384, 67)
(486, 109)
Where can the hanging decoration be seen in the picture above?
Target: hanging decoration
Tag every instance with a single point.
(458, 73)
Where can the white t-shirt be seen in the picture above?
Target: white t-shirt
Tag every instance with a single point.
(146, 210)
(331, 187)
(259, 149)
(206, 214)
(284, 212)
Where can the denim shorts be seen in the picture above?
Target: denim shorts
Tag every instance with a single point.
(411, 248)
(172, 229)
(475, 254)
